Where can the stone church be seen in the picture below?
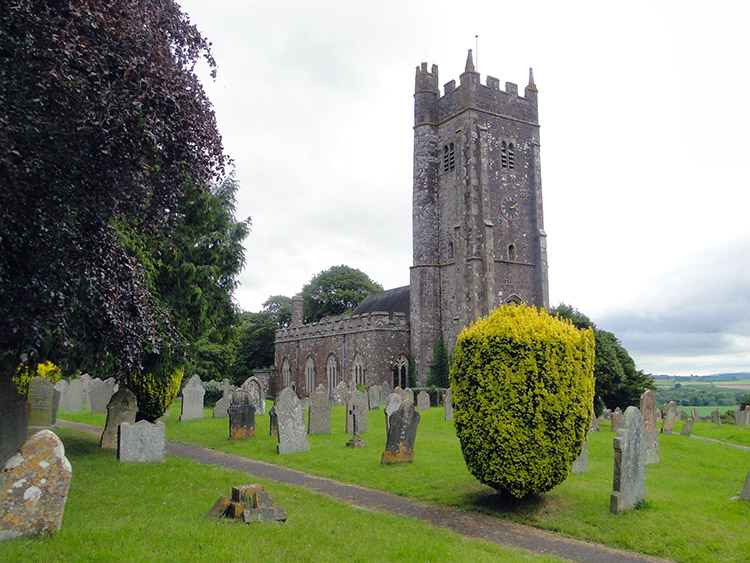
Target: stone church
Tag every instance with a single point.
(478, 240)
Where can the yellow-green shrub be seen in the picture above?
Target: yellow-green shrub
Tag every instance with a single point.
(154, 393)
(523, 390)
(24, 375)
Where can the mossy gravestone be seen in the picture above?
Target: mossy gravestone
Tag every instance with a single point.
(319, 414)
(241, 415)
(291, 423)
(629, 479)
(122, 407)
(648, 410)
(356, 406)
(41, 398)
(402, 433)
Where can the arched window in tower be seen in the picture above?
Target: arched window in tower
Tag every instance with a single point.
(449, 157)
(401, 372)
(511, 157)
(514, 299)
(309, 375)
(512, 252)
(358, 370)
(331, 372)
(503, 155)
(450, 250)
(286, 373)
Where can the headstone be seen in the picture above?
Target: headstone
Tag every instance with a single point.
(34, 487)
(448, 405)
(221, 406)
(86, 380)
(192, 399)
(745, 494)
(226, 388)
(629, 479)
(384, 392)
(356, 406)
(99, 395)
(373, 397)
(387, 386)
(241, 412)
(14, 419)
(594, 423)
(408, 395)
(122, 407)
(716, 417)
(55, 405)
(319, 415)
(402, 432)
(694, 412)
(687, 428)
(423, 401)
(607, 414)
(616, 419)
(74, 396)
(341, 393)
(306, 402)
(273, 426)
(41, 397)
(141, 442)
(257, 396)
(648, 410)
(391, 406)
(670, 415)
(738, 417)
(746, 416)
(291, 421)
(111, 385)
(581, 463)
(62, 388)
(400, 391)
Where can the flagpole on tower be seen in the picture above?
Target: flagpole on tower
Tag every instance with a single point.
(476, 50)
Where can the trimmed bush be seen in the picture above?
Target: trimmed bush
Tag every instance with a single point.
(214, 393)
(523, 391)
(154, 393)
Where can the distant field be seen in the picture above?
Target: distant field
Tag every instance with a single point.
(705, 412)
(699, 382)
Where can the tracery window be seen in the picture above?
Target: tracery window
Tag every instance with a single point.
(332, 372)
(358, 370)
(400, 372)
(310, 375)
(286, 373)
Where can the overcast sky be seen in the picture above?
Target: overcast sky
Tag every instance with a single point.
(644, 113)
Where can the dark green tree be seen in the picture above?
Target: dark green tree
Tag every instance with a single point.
(336, 291)
(745, 401)
(440, 365)
(254, 346)
(280, 306)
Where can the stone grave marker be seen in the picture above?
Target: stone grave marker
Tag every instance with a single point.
(629, 479)
(745, 494)
(86, 380)
(14, 419)
(616, 419)
(34, 487)
(40, 397)
(221, 406)
(408, 395)
(687, 428)
(319, 414)
(291, 423)
(400, 391)
(402, 432)
(373, 397)
(738, 417)
(226, 388)
(273, 426)
(192, 399)
(74, 396)
(594, 423)
(745, 418)
(141, 442)
(607, 414)
(581, 463)
(62, 388)
(391, 406)
(648, 411)
(122, 407)
(241, 413)
(341, 393)
(99, 395)
(384, 392)
(716, 417)
(423, 401)
(356, 406)
(306, 402)
(448, 404)
(670, 415)
(254, 386)
(694, 412)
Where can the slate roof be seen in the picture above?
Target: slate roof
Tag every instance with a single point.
(391, 301)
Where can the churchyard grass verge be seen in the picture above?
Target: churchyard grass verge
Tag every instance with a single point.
(156, 512)
(689, 514)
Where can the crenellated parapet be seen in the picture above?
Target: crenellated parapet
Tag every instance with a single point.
(344, 324)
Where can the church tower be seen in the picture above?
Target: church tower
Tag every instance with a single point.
(478, 229)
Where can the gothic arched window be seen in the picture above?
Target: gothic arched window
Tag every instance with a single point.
(358, 370)
(512, 252)
(310, 375)
(400, 372)
(331, 372)
(286, 374)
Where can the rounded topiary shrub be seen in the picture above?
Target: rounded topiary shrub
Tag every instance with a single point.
(154, 393)
(523, 391)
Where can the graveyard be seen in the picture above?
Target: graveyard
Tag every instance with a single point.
(688, 514)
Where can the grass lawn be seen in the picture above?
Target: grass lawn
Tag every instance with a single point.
(688, 515)
(156, 512)
(705, 412)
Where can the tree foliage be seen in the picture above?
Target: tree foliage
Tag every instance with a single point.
(618, 383)
(103, 123)
(440, 365)
(336, 291)
(280, 306)
(255, 344)
(523, 386)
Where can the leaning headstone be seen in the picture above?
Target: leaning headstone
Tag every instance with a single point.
(257, 396)
(14, 419)
(402, 432)
(99, 395)
(694, 412)
(745, 494)
(221, 406)
(716, 417)
(241, 412)
(291, 421)
(448, 405)
(629, 479)
(74, 396)
(273, 426)
(423, 401)
(383, 398)
(391, 406)
(356, 406)
(40, 398)
(616, 419)
(648, 410)
(141, 442)
(373, 397)
(581, 463)
(687, 428)
(670, 415)
(408, 395)
(34, 487)
(122, 407)
(319, 414)
(192, 399)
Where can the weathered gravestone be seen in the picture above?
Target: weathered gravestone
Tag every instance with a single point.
(257, 396)
(340, 394)
(408, 395)
(356, 406)
(62, 388)
(423, 401)
(74, 396)
(192, 399)
(745, 418)
(241, 412)
(226, 388)
(402, 432)
(607, 414)
(629, 479)
(14, 419)
(319, 415)
(221, 406)
(391, 406)
(448, 405)
(99, 395)
(716, 417)
(687, 428)
(745, 494)
(86, 380)
(694, 412)
(616, 419)
(122, 407)
(581, 463)
(400, 391)
(648, 411)
(291, 421)
(273, 425)
(670, 415)
(34, 487)
(738, 417)
(141, 442)
(384, 392)
(41, 400)
(373, 397)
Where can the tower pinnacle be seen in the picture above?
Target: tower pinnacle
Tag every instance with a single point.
(469, 62)
(531, 85)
